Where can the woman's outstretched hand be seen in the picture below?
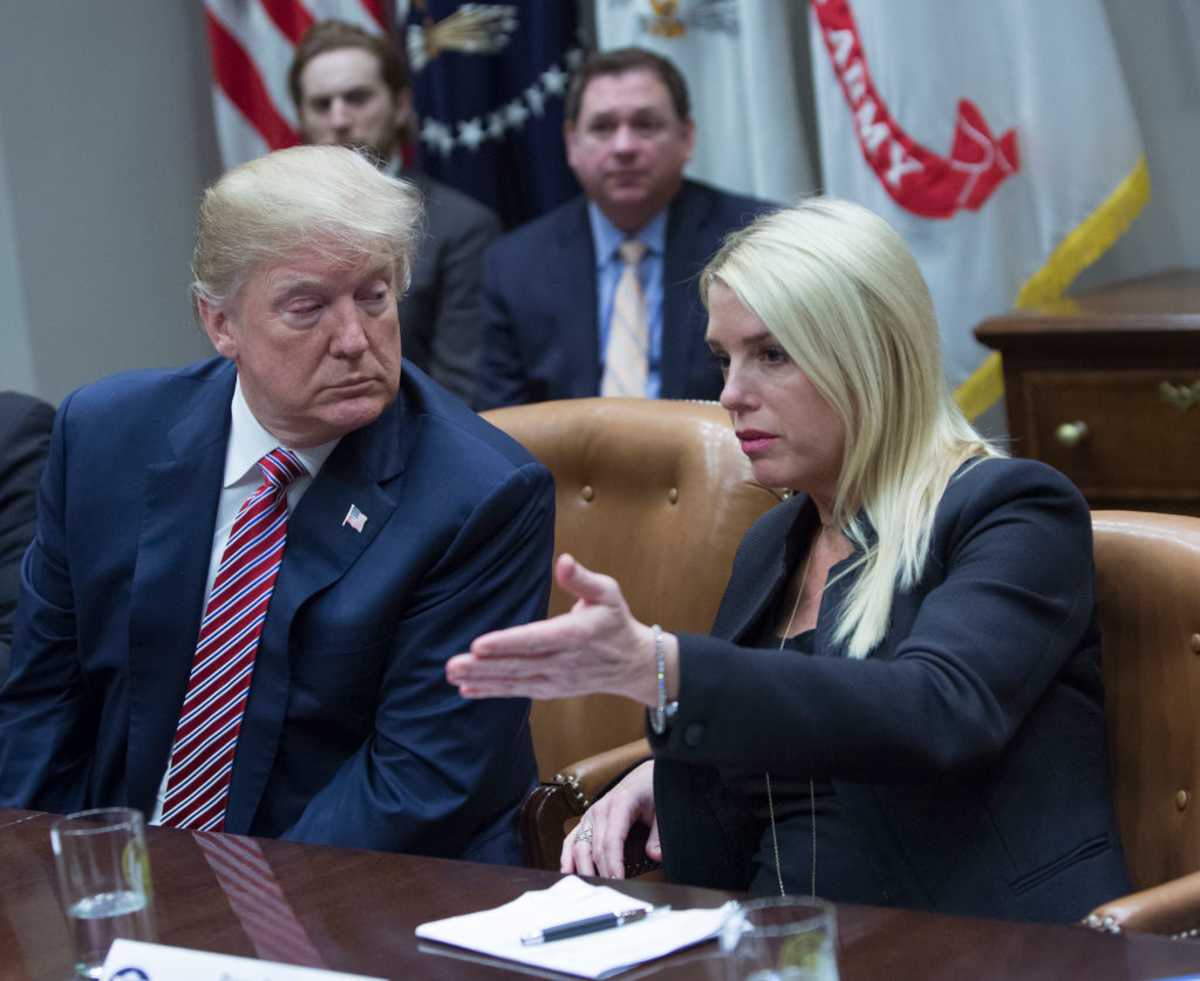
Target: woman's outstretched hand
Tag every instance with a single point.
(596, 647)
(596, 846)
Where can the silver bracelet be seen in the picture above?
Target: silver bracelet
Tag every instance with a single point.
(658, 716)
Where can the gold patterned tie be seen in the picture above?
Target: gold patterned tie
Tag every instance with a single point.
(626, 355)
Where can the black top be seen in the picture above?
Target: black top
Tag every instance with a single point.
(812, 827)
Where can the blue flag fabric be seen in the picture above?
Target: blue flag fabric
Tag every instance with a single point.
(488, 86)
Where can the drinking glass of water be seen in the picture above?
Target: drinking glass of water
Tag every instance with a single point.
(103, 881)
(781, 939)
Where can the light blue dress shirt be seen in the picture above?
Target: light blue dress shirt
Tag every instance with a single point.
(607, 239)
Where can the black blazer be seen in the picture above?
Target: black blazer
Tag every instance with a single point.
(969, 748)
(541, 328)
(25, 424)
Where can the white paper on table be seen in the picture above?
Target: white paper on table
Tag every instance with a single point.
(136, 959)
(497, 932)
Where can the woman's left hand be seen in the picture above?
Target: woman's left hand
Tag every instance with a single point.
(596, 647)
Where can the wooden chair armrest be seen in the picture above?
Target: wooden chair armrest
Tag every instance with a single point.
(590, 778)
(1172, 908)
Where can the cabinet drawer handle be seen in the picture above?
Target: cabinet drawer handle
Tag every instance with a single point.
(1071, 433)
(1183, 397)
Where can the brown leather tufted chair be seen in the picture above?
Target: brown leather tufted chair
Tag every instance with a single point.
(1148, 596)
(657, 494)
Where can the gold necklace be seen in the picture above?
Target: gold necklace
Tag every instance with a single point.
(812, 794)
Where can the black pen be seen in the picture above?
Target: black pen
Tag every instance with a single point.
(593, 924)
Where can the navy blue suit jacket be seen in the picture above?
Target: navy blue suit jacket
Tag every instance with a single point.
(969, 750)
(351, 734)
(540, 323)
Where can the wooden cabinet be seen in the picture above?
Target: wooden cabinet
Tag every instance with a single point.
(1105, 386)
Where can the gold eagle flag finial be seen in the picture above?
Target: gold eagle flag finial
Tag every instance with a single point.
(666, 22)
(474, 28)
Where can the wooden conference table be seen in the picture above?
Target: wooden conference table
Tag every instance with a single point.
(355, 911)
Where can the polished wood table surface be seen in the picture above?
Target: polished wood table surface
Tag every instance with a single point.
(356, 911)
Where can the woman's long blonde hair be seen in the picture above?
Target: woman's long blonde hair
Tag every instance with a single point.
(840, 291)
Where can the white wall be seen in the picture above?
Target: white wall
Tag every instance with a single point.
(106, 142)
(16, 359)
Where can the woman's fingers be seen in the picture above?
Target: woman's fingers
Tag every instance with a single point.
(596, 846)
(538, 688)
(531, 639)
(654, 843)
(608, 848)
(507, 677)
(590, 587)
(566, 858)
(588, 849)
(563, 632)
(581, 846)
(596, 647)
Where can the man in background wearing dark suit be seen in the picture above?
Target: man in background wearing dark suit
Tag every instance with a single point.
(552, 289)
(351, 89)
(25, 424)
(249, 573)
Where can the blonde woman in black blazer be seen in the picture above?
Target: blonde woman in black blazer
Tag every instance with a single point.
(900, 702)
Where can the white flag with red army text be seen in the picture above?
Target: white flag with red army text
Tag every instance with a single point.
(998, 138)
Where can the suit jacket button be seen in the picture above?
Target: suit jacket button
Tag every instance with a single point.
(693, 735)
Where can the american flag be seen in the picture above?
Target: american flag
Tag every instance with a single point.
(354, 518)
(252, 42)
(488, 85)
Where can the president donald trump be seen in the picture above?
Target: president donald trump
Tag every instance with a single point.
(248, 574)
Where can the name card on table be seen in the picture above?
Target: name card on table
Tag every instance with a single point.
(135, 960)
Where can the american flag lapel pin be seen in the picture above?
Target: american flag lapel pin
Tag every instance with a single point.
(355, 519)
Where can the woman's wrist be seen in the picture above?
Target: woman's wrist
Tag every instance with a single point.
(646, 687)
(671, 645)
(666, 679)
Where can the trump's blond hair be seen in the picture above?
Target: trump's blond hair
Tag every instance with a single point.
(324, 198)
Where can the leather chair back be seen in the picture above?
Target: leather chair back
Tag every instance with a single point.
(657, 494)
(1148, 598)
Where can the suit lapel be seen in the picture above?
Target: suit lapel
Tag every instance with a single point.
(182, 487)
(683, 320)
(758, 585)
(320, 549)
(579, 322)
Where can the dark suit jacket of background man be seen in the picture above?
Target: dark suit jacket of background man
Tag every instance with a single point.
(351, 734)
(541, 326)
(24, 438)
(439, 315)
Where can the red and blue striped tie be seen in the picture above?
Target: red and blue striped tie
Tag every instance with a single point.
(205, 739)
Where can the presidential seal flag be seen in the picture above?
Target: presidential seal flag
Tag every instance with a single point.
(741, 65)
(488, 86)
(252, 44)
(997, 138)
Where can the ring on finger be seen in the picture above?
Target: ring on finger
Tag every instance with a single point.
(584, 833)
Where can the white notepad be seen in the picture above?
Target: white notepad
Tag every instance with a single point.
(497, 932)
